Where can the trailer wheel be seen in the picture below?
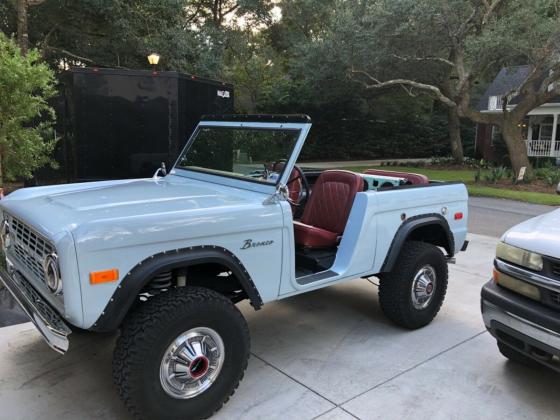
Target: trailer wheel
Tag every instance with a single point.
(181, 355)
(412, 294)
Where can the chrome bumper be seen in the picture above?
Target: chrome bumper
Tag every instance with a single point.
(51, 326)
(491, 312)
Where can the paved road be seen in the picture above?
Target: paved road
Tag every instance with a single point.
(492, 216)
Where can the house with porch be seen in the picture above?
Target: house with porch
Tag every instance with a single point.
(541, 127)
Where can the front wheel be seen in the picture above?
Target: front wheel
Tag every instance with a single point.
(412, 294)
(181, 355)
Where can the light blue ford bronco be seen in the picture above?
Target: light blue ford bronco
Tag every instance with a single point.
(164, 260)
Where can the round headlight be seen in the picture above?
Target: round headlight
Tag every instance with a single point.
(5, 239)
(52, 274)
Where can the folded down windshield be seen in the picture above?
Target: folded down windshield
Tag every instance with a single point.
(253, 154)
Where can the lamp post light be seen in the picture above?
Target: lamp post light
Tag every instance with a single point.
(153, 59)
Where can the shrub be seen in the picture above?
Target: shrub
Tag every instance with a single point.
(477, 176)
(496, 174)
(25, 116)
(549, 174)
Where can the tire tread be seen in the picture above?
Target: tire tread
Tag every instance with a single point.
(139, 327)
(394, 285)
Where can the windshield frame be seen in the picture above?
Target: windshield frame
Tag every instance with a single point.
(241, 181)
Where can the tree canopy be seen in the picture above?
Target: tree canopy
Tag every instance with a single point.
(377, 70)
(444, 47)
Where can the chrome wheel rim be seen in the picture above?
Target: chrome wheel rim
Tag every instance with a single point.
(424, 287)
(192, 363)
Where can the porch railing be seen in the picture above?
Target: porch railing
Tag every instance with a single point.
(542, 148)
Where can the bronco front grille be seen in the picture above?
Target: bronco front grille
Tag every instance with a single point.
(29, 249)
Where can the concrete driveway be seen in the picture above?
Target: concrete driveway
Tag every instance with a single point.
(329, 354)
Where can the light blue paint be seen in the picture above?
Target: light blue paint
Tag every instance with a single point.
(116, 224)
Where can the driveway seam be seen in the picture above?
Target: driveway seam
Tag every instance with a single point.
(335, 405)
(369, 389)
(334, 408)
(412, 368)
(462, 270)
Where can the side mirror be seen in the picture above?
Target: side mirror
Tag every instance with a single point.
(162, 169)
(558, 189)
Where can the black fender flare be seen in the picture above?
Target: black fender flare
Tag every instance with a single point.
(407, 227)
(136, 279)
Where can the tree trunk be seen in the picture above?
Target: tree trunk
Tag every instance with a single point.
(22, 32)
(512, 134)
(454, 126)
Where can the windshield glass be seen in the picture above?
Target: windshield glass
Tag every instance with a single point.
(253, 154)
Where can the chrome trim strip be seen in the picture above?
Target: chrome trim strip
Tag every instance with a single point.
(51, 326)
(491, 312)
(528, 276)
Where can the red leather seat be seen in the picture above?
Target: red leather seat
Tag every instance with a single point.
(412, 178)
(328, 208)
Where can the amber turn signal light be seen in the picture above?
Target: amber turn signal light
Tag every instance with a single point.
(496, 275)
(98, 277)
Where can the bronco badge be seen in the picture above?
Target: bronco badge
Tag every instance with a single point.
(248, 243)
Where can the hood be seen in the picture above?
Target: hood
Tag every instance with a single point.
(51, 209)
(540, 234)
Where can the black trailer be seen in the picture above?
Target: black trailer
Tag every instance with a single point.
(118, 123)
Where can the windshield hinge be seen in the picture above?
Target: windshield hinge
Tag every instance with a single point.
(281, 194)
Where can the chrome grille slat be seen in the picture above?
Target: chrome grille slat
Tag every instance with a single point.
(29, 248)
(49, 313)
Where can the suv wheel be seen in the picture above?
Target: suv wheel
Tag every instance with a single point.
(181, 355)
(412, 294)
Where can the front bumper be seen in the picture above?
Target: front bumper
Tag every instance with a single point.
(518, 322)
(51, 326)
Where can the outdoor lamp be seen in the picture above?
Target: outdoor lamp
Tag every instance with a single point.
(153, 59)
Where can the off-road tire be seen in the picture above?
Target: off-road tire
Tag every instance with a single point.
(145, 337)
(517, 357)
(395, 287)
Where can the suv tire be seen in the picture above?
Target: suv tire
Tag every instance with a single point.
(188, 337)
(412, 294)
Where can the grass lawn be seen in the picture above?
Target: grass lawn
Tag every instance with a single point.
(467, 176)
(527, 196)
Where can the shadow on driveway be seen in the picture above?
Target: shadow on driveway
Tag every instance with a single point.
(10, 312)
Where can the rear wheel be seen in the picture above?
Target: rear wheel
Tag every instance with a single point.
(412, 294)
(181, 355)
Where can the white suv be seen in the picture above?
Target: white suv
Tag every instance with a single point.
(521, 304)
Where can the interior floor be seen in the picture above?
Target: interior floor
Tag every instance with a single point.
(311, 261)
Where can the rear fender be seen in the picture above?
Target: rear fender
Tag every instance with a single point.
(413, 229)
